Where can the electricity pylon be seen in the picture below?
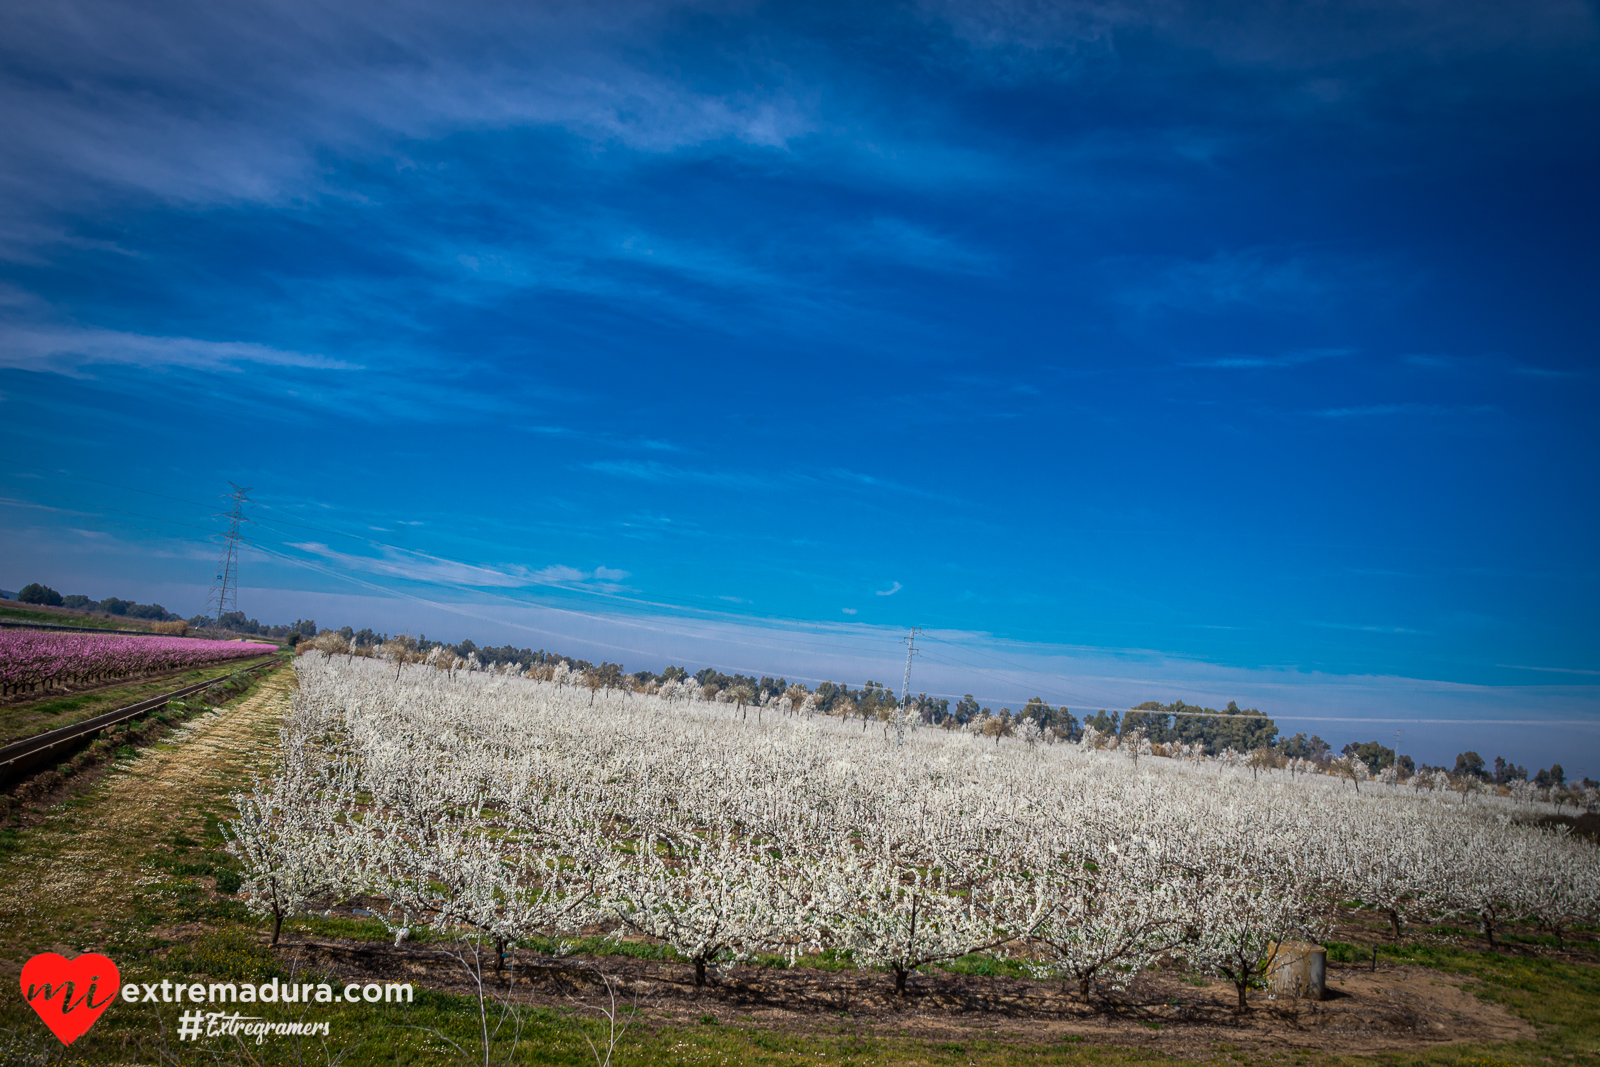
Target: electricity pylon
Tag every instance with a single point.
(225, 586)
(905, 688)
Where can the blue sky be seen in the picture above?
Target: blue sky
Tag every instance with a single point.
(1253, 346)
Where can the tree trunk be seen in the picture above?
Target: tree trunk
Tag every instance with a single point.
(699, 970)
(499, 955)
(1394, 919)
(1488, 931)
(1243, 984)
(1083, 987)
(900, 979)
(277, 925)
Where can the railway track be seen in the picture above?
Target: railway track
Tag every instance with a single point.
(19, 755)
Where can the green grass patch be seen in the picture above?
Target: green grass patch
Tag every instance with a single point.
(1340, 952)
(984, 965)
(236, 954)
(68, 618)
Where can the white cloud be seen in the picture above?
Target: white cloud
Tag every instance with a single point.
(66, 350)
(421, 567)
(237, 105)
(651, 471)
(915, 245)
(891, 591)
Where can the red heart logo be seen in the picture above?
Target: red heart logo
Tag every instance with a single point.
(66, 993)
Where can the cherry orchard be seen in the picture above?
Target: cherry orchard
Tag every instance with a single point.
(495, 809)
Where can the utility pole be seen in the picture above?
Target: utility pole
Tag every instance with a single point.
(225, 586)
(905, 688)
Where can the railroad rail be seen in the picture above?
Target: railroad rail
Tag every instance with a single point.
(29, 749)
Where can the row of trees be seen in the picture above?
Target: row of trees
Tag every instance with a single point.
(1504, 772)
(44, 596)
(237, 622)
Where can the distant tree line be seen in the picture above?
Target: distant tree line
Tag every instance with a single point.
(43, 595)
(1504, 772)
(236, 622)
(1240, 729)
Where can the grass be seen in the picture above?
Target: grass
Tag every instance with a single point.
(67, 617)
(984, 965)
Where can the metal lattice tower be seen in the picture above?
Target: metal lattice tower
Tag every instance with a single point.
(905, 688)
(225, 586)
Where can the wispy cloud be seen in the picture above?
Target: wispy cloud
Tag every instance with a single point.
(1363, 411)
(1546, 372)
(65, 351)
(1549, 670)
(1290, 359)
(666, 473)
(916, 245)
(1255, 278)
(836, 477)
(891, 591)
(267, 119)
(1321, 49)
(1489, 364)
(856, 479)
(1368, 628)
(422, 567)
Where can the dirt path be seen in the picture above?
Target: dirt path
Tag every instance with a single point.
(76, 878)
